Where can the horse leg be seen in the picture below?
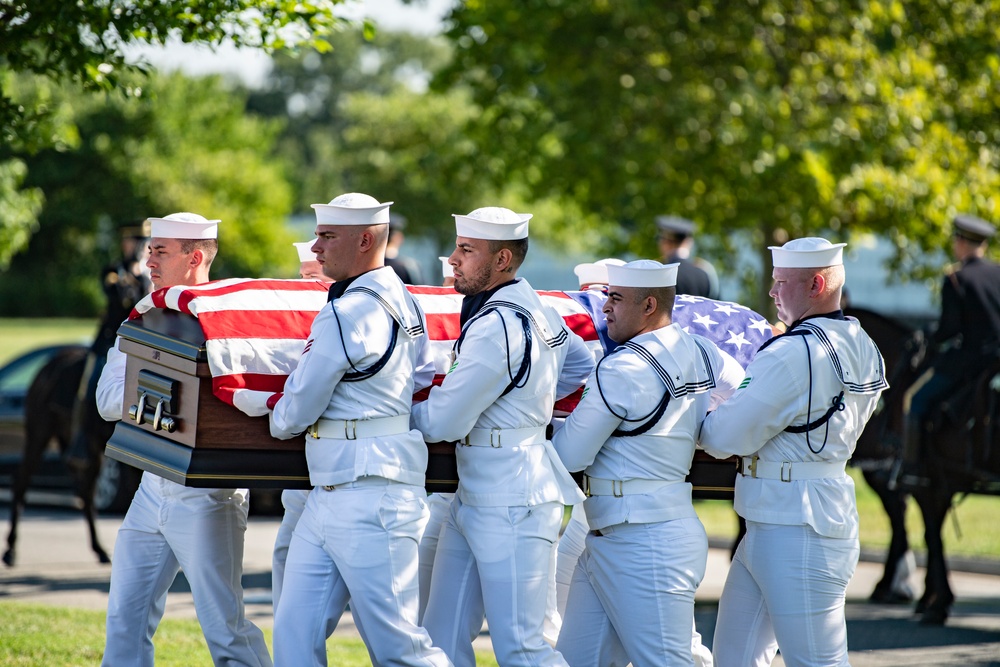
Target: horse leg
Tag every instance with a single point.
(34, 449)
(86, 483)
(934, 606)
(894, 502)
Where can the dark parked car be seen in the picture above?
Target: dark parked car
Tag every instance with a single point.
(117, 482)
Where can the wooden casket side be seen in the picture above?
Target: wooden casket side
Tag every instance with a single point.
(183, 432)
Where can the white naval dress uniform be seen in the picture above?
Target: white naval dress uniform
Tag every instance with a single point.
(495, 552)
(357, 536)
(788, 578)
(632, 593)
(168, 528)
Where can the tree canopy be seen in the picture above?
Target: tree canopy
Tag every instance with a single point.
(87, 43)
(779, 117)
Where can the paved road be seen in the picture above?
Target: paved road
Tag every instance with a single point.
(55, 566)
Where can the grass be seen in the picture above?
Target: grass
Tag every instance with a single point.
(21, 335)
(34, 635)
(969, 529)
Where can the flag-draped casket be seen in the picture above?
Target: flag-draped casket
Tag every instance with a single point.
(192, 352)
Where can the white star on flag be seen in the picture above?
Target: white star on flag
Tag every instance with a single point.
(705, 321)
(737, 339)
(725, 308)
(760, 325)
(688, 298)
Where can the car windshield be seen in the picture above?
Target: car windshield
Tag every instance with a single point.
(17, 376)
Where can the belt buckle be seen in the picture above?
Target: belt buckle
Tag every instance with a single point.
(495, 441)
(586, 486)
(617, 488)
(753, 466)
(351, 429)
(464, 442)
(313, 430)
(786, 466)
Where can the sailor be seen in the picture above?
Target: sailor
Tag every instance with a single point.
(351, 393)
(513, 359)
(632, 593)
(795, 421)
(170, 527)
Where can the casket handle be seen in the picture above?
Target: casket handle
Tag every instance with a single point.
(159, 421)
(138, 412)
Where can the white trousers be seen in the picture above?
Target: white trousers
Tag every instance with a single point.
(571, 545)
(357, 544)
(785, 589)
(294, 502)
(439, 505)
(632, 596)
(168, 528)
(494, 562)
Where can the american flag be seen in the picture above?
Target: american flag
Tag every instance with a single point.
(256, 329)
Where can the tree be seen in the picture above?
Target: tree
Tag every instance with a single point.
(86, 43)
(184, 145)
(781, 118)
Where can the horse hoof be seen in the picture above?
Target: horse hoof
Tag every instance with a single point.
(888, 596)
(934, 616)
(8, 558)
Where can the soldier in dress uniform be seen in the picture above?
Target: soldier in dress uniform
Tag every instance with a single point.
(293, 501)
(170, 527)
(513, 359)
(351, 393)
(795, 421)
(632, 594)
(694, 275)
(969, 327)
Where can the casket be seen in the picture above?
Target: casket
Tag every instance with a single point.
(175, 426)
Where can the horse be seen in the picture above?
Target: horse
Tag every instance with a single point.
(49, 407)
(880, 444)
(960, 454)
(61, 404)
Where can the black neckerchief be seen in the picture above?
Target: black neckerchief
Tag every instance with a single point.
(833, 315)
(338, 288)
(473, 303)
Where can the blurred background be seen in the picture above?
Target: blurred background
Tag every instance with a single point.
(761, 121)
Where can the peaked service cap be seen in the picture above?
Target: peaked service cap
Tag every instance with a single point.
(972, 228)
(183, 226)
(353, 208)
(493, 223)
(643, 273)
(811, 252)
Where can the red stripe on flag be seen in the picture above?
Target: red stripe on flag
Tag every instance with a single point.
(582, 325)
(256, 323)
(431, 291)
(224, 385)
(262, 284)
(444, 326)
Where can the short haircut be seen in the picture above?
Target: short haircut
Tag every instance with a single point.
(518, 250)
(664, 297)
(835, 277)
(209, 248)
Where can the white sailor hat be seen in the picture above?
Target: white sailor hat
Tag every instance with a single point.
(305, 251)
(493, 223)
(447, 271)
(353, 208)
(183, 226)
(643, 273)
(595, 273)
(810, 252)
